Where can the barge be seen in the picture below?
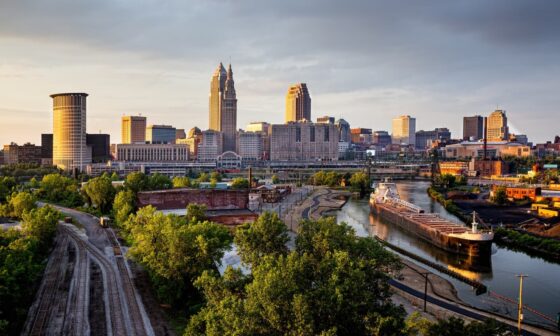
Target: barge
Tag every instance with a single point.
(436, 230)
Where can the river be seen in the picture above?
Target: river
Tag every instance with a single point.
(541, 290)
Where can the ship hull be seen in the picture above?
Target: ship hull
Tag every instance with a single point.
(456, 245)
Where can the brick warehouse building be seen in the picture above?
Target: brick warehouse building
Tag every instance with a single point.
(228, 207)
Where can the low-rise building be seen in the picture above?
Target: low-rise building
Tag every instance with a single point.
(27, 153)
(455, 168)
(152, 152)
(424, 139)
(361, 135)
(160, 134)
(382, 138)
(301, 141)
(488, 168)
(498, 149)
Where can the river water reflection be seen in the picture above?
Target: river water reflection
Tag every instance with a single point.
(541, 290)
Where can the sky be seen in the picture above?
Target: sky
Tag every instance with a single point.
(365, 61)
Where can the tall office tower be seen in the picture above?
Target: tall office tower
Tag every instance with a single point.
(133, 129)
(343, 130)
(69, 131)
(404, 130)
(298, 103)
(473, 128)
(497, 128)
(223, 106)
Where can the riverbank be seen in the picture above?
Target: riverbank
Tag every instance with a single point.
(319, 203)
(511, 216)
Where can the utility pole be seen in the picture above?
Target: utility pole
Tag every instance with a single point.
(425, 289)
(520, 307)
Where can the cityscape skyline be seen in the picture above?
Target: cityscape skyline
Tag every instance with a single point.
(477, 68)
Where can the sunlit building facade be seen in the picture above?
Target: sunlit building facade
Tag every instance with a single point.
(223, 106)
(497, 127)
(298, 103)
(404, 130)
(133, 129)
(69, 131)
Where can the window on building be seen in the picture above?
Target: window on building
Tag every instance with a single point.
(326, 134)
(312, 134)
(298, 134)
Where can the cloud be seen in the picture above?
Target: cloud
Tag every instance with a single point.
(358, 57)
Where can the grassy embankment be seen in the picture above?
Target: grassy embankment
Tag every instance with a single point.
(546, 247)
(448, 204)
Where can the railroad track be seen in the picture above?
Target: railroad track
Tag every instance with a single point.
(129, 291)
(78, 323)
(53, 278)
(117, 316)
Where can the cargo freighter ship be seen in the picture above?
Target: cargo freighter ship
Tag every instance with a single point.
(449, 236)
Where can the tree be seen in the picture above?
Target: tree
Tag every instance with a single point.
(20, 203)
(268, 235)
(447, 180)
(456, 327)
(203, 177)
(359, 182)
(196, 213)
(7, 183)
(239, 183)
(216, 176)
(213, 183)
(175, 252)
(124, 206)
(100, 193)
(331, 178)
(159, 182)
(333, 283)
(136, 181)
(275, 179)
(500, 196)
(60, 189)
(415, 325)
(33, 183)
(41, 223)
(181, 182)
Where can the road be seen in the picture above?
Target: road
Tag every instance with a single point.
(468, 311)
(63, 304)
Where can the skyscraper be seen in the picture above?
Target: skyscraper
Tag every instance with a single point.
(298, 103)
(497, 128)
(223, 106)
(473, 127)
(69, 131)
(404, 130)
(133, 129)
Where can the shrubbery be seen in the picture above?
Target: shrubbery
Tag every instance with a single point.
(524, 240)
(22, 255)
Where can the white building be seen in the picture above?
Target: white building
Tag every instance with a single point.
(152, 152)
(210, 146)
(250, 146)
